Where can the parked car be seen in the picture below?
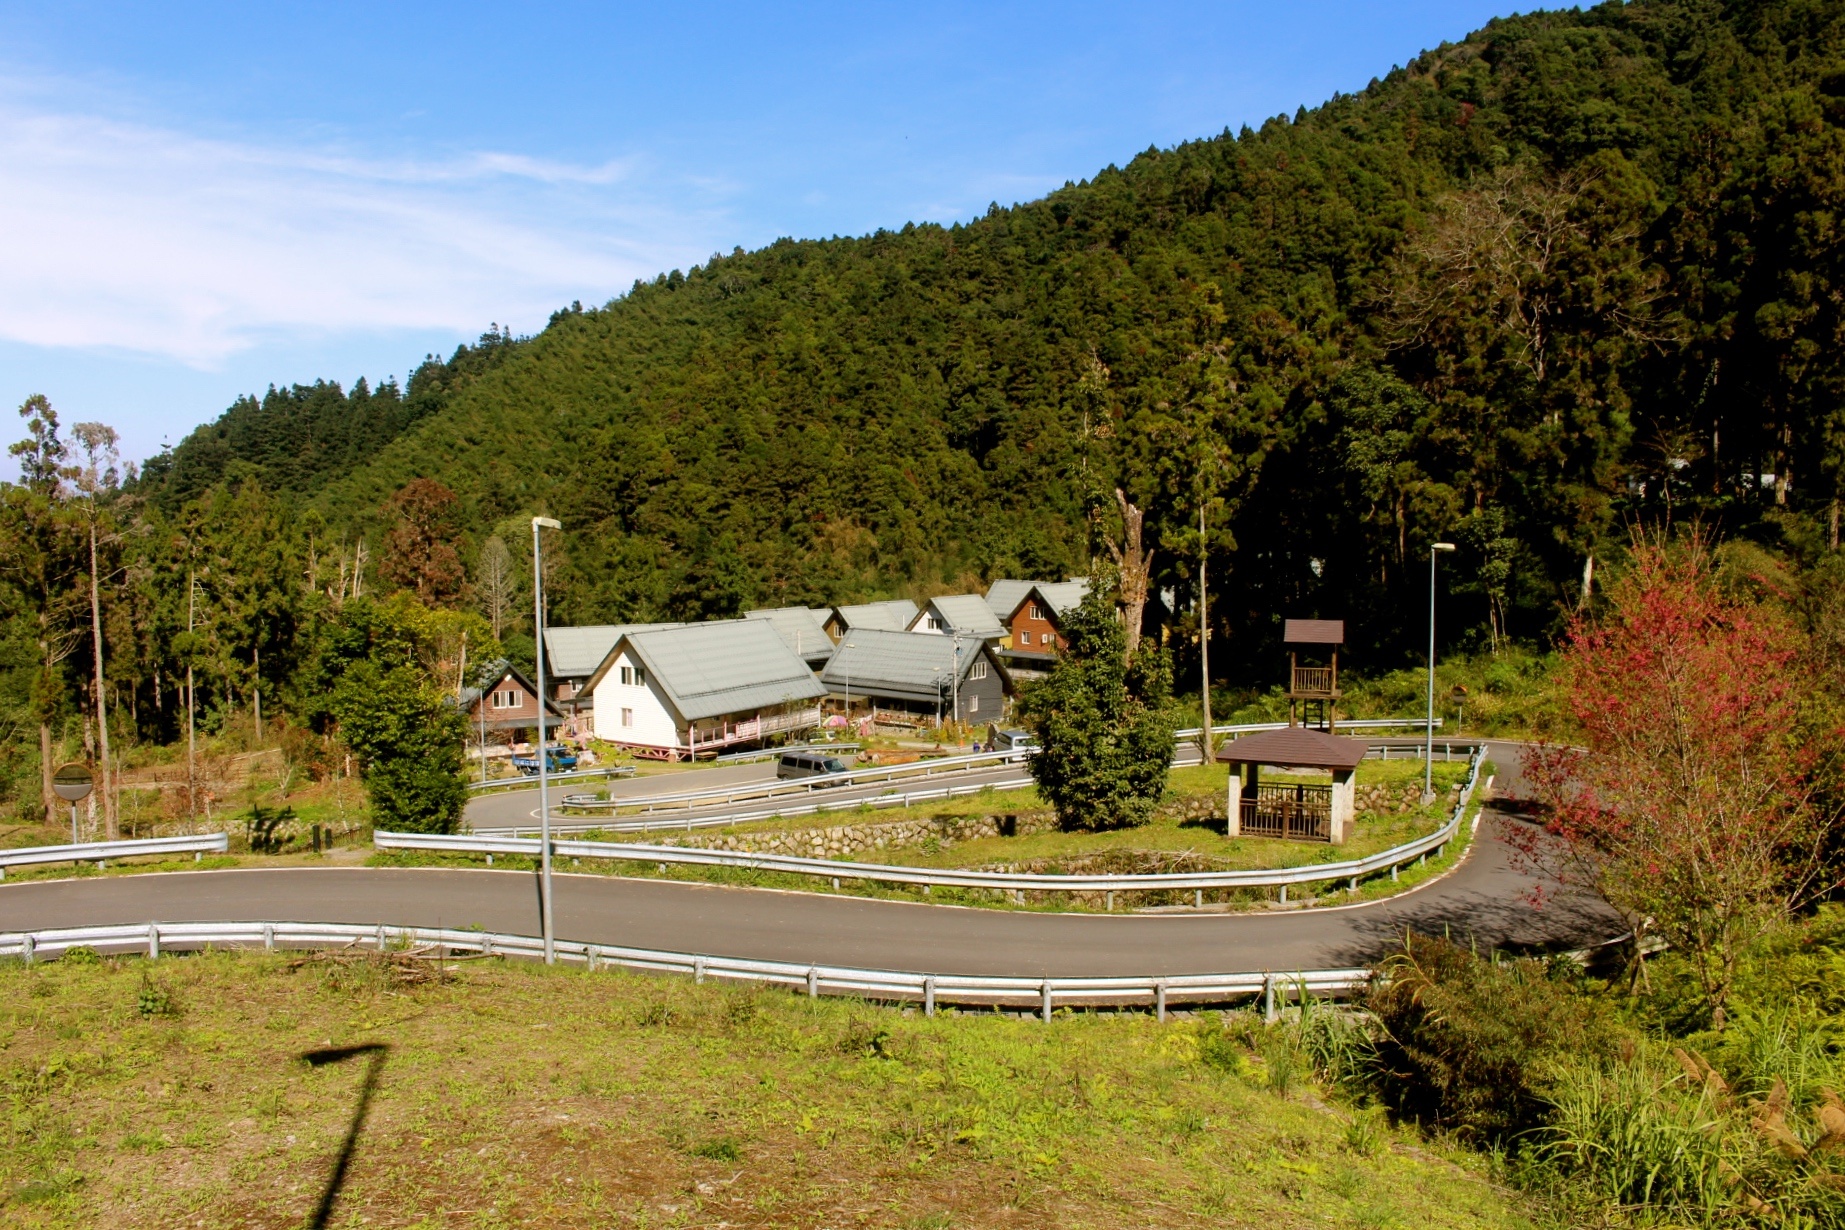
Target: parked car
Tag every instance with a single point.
(809, 764)
(558, 759)
(1014, 741)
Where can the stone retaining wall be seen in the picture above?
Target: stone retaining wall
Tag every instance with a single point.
(849, 840)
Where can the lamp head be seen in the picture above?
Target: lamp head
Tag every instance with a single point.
(546, 523)
(1441, 546)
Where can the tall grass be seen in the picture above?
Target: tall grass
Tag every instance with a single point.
(1636, 1136)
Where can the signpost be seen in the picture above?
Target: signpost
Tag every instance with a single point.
(73, 783)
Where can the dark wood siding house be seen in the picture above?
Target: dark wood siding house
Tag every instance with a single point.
(508, 706)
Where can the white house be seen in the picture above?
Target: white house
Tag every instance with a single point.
(965, 615)
(677, 693)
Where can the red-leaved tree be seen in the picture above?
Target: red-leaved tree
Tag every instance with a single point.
(420, 549)
(1689, 799)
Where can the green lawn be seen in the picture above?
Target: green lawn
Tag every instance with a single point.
(172, 1094)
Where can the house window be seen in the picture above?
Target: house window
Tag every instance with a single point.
(935, 624)
(973, 704)
(506, 700)
(627, 717)
(1037, 612)
(640, 677)
(1024, 638)
(1050, 640)
(978, 670)
(627, 676)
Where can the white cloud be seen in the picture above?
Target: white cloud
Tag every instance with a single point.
(151, 240)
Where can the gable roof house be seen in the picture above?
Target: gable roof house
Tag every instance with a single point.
(892, 616)
(958, 615)
(682, 692)
(1004, 596)
(804, 630)
(911, 678)
(507, 702)
(1035, 624)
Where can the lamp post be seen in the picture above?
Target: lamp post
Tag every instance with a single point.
(1428, 751)
(954, 687)
(544, 801)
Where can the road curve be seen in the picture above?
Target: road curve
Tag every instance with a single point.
(1486, 900)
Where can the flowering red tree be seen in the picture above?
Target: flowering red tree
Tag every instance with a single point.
(420, 547)
(1690, 801)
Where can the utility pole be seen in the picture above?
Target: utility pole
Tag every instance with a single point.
(1428, 750)
(192, 722)
(111, 820)
(544, 807)
(1204, 646)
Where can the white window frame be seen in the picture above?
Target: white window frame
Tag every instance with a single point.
(973, 703)
(978, 670)
(627, 717)
(507, 698)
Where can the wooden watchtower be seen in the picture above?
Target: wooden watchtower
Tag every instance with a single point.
(1313, 689)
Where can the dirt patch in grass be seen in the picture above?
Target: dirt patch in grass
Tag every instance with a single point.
(515, 1095)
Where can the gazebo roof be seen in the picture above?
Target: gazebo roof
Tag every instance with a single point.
(1313, 632)
(1295, 748)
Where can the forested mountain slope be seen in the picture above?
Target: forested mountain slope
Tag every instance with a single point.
(1575, 271)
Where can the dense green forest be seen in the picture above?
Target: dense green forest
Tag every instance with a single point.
(1574, 274)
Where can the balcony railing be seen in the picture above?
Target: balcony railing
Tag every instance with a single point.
(1312, 681)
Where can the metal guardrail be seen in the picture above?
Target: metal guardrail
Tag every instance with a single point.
(530, 780)
(1253, 728)
(800, 785)
(1046, 994)
(770, 753)
(689, 822)
(1196, 881)
(100, 852)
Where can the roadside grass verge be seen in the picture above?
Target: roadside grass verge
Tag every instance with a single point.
(170, 1093)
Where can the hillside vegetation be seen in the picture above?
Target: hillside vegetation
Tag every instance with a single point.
(1575, 269)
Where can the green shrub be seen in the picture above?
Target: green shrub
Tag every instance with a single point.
(1470, 1045)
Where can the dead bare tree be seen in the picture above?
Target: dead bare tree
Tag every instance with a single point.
(1134, 564)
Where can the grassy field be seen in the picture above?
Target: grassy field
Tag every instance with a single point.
(172, 1094)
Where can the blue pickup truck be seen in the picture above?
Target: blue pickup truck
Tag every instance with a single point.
(558, 759)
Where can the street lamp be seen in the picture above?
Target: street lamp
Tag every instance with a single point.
(1428, 751)
(544, 800)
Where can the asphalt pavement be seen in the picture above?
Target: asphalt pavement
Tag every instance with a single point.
(1490, 900)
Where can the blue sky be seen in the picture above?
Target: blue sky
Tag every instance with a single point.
(204, 199)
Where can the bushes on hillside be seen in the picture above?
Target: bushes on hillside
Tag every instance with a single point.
(1469, 1045)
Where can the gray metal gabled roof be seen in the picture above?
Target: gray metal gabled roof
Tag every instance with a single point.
(732, 666)
(1061, 596)
(903, 665)
(967, 614)
(802, 627)
(892, 616)
(1004, 596)
(575, 653)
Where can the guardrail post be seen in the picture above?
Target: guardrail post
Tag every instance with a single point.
(1353, 886)
(489, 858)
(813, 983)
(153, 941)
(1284, 894)
(1197, 899)
(380, 937)
(1269, 1014)
(835, 883)
(269, 937)
(1108, 900)
(590, 956)
(1159, 1001)
(198, 856)
(1047, 1001)
(698, 969)
(486, 944)
(1393, 873)
(27, 947)
(928, 997)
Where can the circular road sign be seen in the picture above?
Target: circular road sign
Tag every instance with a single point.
(72, 782)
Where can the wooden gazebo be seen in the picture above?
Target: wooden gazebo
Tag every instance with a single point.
(1301, 810)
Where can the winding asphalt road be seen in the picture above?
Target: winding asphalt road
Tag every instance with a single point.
(1486, 900)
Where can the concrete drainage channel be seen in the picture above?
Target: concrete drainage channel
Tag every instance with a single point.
(1270, 990)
